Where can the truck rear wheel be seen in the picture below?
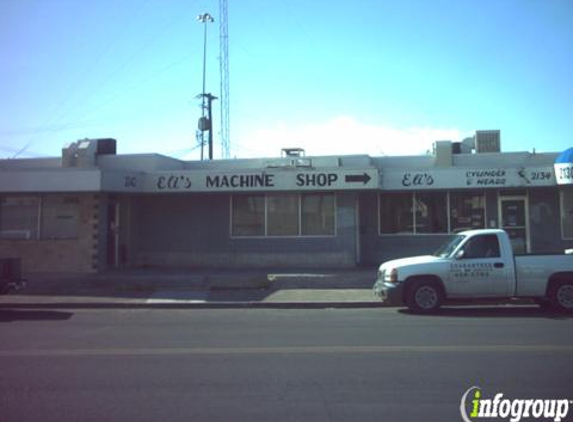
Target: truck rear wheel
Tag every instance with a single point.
(561, 296)
(424, 296)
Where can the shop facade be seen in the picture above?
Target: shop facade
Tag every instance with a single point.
(92, 210)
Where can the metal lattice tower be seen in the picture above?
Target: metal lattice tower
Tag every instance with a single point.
(224, 70)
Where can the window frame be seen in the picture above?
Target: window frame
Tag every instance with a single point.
(298, 212)
(246, 236)
(38, 229)
(334, 214)
(412, 215)
(266, 234)
(40, 223)
(413, 212)
(450, 225)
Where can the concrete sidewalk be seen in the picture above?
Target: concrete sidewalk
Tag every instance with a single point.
(192, 288)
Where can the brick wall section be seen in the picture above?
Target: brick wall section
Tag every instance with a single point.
(66, 255)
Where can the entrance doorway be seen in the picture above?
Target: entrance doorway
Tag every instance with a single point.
(514, 219)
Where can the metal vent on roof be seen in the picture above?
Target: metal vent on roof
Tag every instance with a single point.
(292, 152)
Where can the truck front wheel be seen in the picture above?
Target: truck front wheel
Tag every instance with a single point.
(561, 296)
(424, 296)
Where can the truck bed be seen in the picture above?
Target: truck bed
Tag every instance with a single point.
(534, 268)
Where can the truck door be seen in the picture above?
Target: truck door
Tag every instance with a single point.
(479, 269)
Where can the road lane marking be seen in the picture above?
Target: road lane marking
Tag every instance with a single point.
(286, 350)
(174, 296)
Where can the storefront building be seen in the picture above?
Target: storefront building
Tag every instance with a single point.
(91, 210)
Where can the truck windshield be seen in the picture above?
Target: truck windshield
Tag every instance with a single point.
(447, 248)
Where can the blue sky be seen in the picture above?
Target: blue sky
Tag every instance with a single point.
(333, 77)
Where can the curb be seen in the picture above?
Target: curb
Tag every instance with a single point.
(194, 305)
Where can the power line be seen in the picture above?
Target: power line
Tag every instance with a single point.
(74, 86)
(244, 148)
(145, 45)
(112, 42)
(10, 151)
(159, 72)
(45, 129)
(74, 125)
(184, 151)
(149, 41)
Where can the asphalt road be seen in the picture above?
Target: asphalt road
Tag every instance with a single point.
(275, 365)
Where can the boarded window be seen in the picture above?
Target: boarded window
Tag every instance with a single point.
(19, 217)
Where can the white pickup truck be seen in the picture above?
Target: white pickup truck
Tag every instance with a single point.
(476, 265)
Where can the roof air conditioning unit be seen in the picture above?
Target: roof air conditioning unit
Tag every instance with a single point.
(488, 141)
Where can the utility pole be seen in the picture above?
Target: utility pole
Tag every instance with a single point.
(206, 124)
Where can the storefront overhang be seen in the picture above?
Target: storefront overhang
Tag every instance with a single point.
(263, 180)
(57, 180)
(277, 180)
(467, 178)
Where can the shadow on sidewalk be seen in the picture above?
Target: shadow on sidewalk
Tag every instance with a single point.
(186, 284)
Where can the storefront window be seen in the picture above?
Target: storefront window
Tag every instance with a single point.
(286, 215)
(60, 217)
(431, 212)
(467, 211)
(248, 217)
(396, 213)
(317, 214)
(19, 217)
(282, 215)
(567, 212)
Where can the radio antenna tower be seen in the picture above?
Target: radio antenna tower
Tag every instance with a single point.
(224, 70)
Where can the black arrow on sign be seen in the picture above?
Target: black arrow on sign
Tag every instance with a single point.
(354, 178)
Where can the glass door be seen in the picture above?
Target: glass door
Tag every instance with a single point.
(513, 214)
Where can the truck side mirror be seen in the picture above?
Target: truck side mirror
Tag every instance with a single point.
(460, 254)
